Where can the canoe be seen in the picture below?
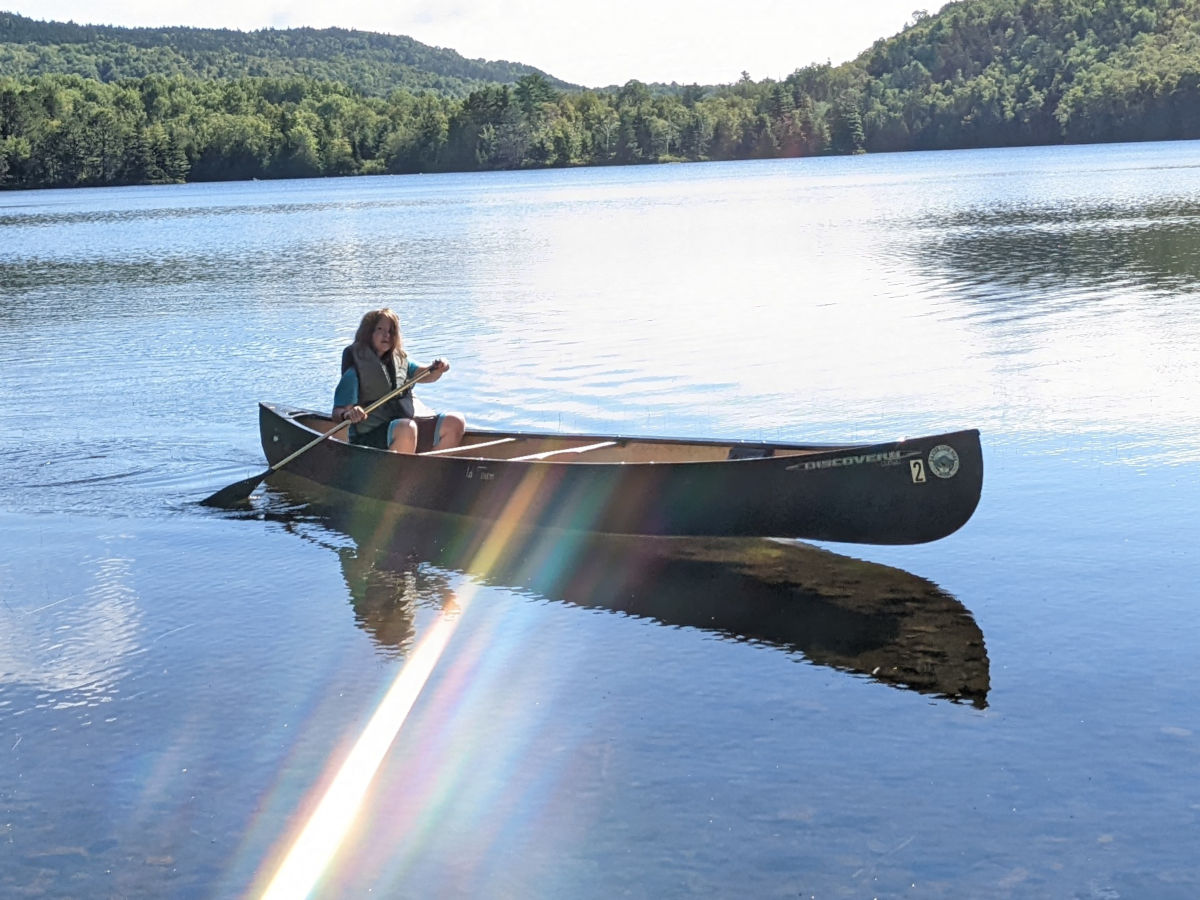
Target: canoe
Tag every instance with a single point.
(901, 492)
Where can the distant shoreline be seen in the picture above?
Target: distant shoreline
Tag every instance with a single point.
(154, 106)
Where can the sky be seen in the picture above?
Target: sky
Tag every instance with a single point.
(594, 43)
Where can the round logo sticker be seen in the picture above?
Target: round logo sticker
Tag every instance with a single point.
(943, 461)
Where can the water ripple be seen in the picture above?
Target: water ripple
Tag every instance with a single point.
(73, 647)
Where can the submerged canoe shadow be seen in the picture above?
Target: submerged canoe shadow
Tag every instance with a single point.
(833, 610)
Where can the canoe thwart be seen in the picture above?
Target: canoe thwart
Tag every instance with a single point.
(548, 453)
(464, 447)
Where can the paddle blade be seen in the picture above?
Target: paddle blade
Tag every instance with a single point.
(238, 492)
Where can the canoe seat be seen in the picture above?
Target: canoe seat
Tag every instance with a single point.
(548, 453)
(738, 452)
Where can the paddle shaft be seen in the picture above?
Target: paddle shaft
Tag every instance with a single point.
(241, 490)
(421, 373)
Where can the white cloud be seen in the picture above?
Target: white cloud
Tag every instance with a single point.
(592, 43)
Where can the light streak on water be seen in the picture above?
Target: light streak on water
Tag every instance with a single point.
(327, 826)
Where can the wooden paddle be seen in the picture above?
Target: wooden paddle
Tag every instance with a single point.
(241, 490)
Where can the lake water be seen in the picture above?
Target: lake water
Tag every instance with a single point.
(1013, 711)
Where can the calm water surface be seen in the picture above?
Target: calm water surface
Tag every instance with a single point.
(1010, 712)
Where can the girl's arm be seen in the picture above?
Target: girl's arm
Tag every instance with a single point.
(345, 398)
(436, 368)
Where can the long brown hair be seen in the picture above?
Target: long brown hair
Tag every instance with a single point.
(366, 328)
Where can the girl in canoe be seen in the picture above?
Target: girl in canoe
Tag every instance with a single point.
(376, 364)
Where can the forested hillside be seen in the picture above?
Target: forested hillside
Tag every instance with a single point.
(374, 64)
(978, 73)
(1003, 72)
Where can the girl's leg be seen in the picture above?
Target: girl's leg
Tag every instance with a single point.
(453, 427)
(403, 436)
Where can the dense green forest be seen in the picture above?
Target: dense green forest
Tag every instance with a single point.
(1005, 72)
(85, 105)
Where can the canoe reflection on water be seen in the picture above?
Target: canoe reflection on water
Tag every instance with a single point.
(833, 610)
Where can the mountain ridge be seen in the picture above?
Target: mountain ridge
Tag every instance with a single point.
(373, 62)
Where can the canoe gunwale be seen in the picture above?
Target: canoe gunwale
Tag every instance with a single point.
(492, 436)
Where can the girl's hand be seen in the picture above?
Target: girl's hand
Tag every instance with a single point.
(438, 366)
